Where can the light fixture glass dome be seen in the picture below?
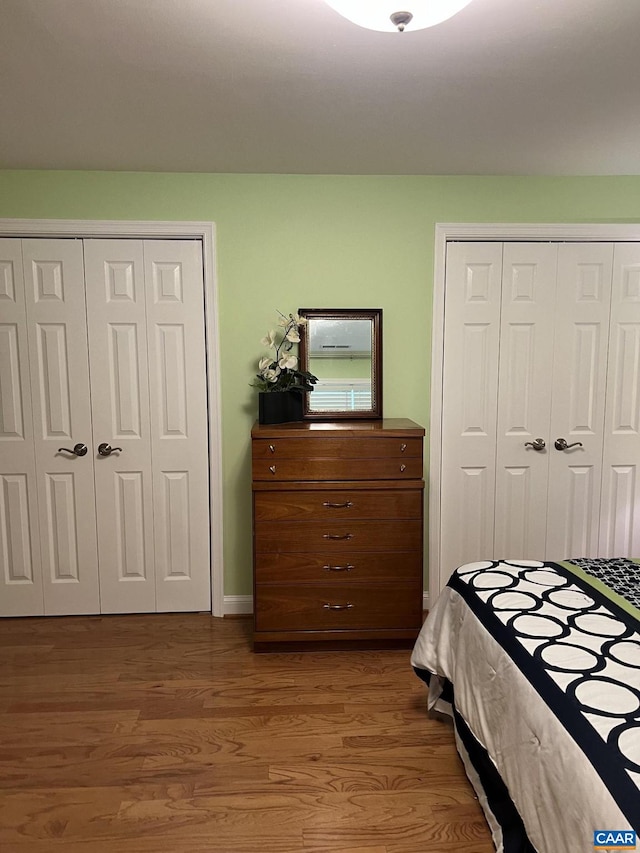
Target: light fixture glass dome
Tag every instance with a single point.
(389, 16)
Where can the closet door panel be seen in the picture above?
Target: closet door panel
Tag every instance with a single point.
(58, 347)
(21, 591)
(175, 312)
(117, 323)
(471, 353)
(578, 390)
(620, 513)
(524, 404)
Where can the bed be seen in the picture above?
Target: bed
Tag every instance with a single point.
(538, 663)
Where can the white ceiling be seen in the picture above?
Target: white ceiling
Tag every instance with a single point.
(526, 87)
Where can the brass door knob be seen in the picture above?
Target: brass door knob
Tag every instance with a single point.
(78, 449)
(105, 449)
(561, 444)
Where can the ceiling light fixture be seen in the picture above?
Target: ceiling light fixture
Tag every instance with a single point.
(386, 17)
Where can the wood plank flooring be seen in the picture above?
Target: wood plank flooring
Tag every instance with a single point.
(166, 734)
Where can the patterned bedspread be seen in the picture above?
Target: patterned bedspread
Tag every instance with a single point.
(542, 664)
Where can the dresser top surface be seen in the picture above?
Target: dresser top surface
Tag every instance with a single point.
(355, 428)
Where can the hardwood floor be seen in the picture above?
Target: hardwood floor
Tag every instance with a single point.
(166, 734)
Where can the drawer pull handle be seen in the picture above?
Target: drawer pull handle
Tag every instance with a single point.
(272, 468)
(272, 448)
(337, 535)
(403, 447)
(345, 505)
(402, 467)
(346, 568)
(337, 606)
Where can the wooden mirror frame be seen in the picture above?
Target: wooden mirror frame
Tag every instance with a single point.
(375, 316)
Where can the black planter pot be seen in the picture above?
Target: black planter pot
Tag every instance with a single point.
(279, 407)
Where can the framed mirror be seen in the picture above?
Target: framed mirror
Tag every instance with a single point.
(343, 348)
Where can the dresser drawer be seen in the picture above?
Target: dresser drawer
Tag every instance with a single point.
(341, 505)
(331, 447)
(340, 568)
(331, 537)
(326, 608)
(311, 469)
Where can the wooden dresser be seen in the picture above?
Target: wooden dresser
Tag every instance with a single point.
(338, 533)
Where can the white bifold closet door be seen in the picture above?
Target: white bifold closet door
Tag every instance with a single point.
(48, 389)
(105, 349)
(536, 347)
(620, 516)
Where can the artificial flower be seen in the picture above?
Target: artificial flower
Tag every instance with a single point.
(280, 371)
(270, 339)
(288, 361)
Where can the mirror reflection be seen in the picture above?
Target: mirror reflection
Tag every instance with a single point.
(342, 347)
(340, 356)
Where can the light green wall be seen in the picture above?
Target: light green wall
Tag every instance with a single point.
(286, 241)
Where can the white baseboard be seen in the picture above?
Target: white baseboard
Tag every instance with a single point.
(240, 605)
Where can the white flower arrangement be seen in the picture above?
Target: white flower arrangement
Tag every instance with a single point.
(279, 371)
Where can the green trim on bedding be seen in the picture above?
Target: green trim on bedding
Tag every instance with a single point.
(602, 587)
